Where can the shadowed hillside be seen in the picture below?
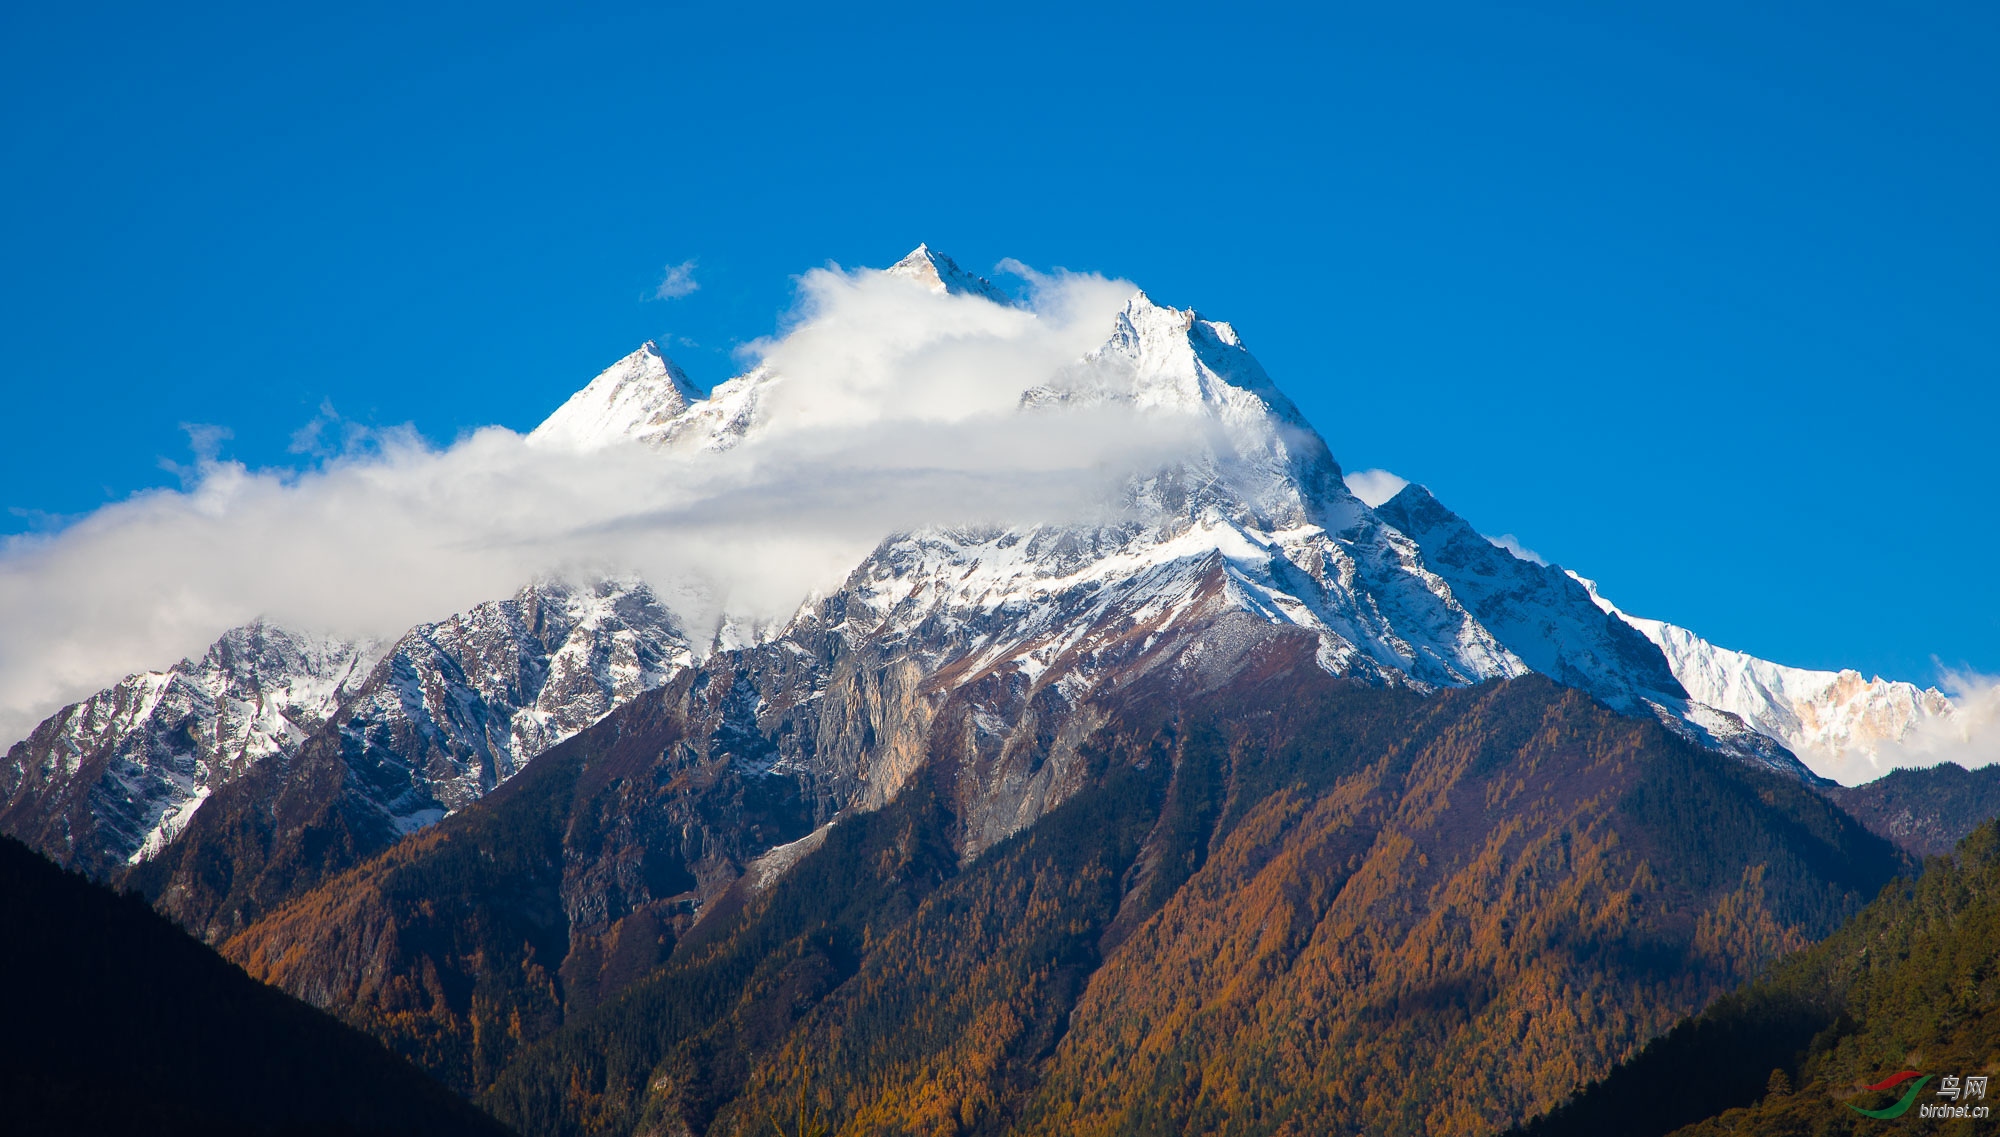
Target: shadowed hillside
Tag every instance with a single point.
(1926, 811)
(116, 1021)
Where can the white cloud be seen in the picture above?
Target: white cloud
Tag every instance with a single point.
(1374, 487)
(882, 348)
(1513, 545)
(1969, 737)
(896, 410)
(205, 439)
(328, 435)
(678, 282)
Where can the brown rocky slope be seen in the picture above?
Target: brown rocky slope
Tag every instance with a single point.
(1279, 903)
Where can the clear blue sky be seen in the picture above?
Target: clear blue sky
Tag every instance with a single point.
(1701, 301)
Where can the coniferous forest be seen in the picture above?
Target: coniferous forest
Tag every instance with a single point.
(1298, 905)
(1911, 982)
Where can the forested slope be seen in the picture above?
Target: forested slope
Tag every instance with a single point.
(1912, 982)
(1927, 810)
(1303, 906)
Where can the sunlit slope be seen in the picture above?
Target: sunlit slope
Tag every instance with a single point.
(1257, 902)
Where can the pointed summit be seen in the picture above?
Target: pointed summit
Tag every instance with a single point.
(940, 273)
(1172, 358)
(1548, 620)
(632, 398)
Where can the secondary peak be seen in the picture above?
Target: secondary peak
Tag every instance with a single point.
(940, 273)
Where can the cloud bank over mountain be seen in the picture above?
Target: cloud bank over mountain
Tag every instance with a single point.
(898, 409)
(914, 398)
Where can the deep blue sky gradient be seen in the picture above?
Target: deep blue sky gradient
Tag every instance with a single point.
(1700, 301)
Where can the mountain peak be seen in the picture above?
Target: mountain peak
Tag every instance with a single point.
(1144, 318)
(1173, 358)
(940, 273)
(633, 397)
(1415, 510)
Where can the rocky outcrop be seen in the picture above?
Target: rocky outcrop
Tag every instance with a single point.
(451, 711)
(111, 780)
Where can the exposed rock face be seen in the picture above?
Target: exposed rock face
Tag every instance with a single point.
(459, 706)
(678, 807)
(1397, 840)
(114, 778)
(453, 710)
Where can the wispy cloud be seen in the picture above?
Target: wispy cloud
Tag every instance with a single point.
(328, 435)
(1374, 487)
(1513, 545)
(678, 282)
(205, 440)
(896, 410)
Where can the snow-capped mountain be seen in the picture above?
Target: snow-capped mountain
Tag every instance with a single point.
(646, 397)
(457, 707)
(114, 777)
(1250, 526)
(1259, 518)
(1254, 518)
(1836, 722)
(1551, 619)
(453, 710)
(633, 398)
(425, 725)
(940, 273)
(1157, 665)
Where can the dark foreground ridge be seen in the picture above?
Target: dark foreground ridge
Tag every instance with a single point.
(116, 1021)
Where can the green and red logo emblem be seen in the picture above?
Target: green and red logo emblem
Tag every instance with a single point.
(1889, 1083)
(1957, 1093)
